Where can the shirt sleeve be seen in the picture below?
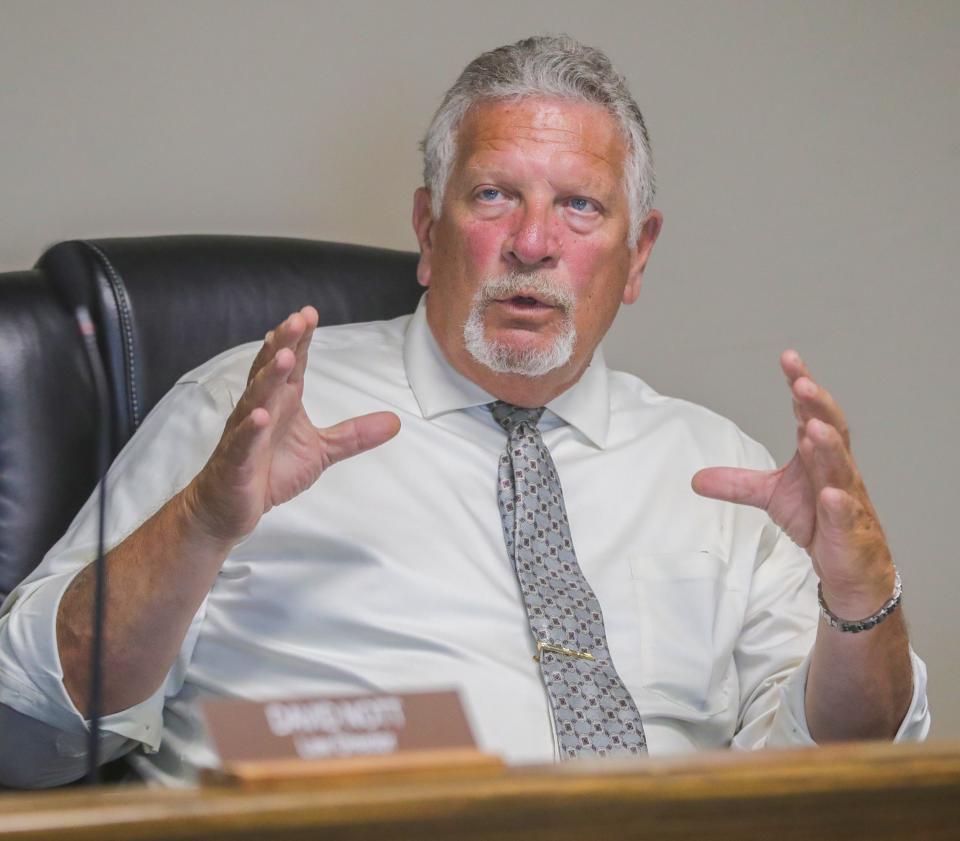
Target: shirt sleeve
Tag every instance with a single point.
(773, 655)
(170, 447)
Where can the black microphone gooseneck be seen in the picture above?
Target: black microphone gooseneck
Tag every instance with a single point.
(89, 337)
(68, 268)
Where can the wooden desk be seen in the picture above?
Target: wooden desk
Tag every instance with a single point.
(848, 792)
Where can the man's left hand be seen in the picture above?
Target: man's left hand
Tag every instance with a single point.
(819, 500)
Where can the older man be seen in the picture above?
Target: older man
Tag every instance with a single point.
(619, 612)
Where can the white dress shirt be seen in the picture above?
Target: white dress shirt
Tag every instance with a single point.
(391, 573)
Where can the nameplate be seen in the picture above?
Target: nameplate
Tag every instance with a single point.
(306, 736)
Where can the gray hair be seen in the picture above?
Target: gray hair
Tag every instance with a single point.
(549, 66)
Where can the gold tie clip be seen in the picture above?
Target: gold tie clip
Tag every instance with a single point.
(561, 649)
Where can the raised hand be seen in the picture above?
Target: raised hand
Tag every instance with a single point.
(270, 451)
(818, 499)
(160, 573)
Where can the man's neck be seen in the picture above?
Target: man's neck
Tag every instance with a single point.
(528, 392)
(516, 389)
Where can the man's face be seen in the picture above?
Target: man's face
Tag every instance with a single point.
(530, 253)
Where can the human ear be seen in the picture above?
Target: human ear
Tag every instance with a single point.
(640, 253)
(423, 228)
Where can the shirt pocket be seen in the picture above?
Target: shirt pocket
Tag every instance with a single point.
(679, 597)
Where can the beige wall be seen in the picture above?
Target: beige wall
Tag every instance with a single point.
(809, 169)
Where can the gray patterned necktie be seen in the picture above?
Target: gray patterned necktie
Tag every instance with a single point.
(593, 710)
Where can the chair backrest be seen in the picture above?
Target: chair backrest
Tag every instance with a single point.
(162, 306)
(47, 423)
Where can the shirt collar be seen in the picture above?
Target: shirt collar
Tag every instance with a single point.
(439, 388)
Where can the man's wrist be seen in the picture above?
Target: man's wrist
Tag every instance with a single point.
(196, 525)
(864, 622)
(863, 593)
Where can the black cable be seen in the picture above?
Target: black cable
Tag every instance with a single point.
(88, 334)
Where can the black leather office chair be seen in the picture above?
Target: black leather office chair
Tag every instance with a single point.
(162, 306)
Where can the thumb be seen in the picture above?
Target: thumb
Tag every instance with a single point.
(734, 484)
(356, 435)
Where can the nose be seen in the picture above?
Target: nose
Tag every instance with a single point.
(534, 240)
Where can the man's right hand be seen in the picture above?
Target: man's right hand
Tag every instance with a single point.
(270, 451)
(160, 573)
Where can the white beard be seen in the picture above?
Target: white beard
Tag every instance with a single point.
(501, 357)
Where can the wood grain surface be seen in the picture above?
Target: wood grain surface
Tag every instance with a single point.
(850, 792)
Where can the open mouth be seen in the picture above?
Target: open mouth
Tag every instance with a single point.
(525, 302)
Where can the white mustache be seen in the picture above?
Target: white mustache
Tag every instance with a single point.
(513, 283)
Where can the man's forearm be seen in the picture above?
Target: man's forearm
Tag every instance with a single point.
(157, 579)
(859, 685)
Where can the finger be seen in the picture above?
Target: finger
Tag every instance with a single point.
(356, 435)
(857, 571)
(828, 460)
(847, 533)
(734, 484)
(813, 401)
(851, 515)
(246, 441)
(263, 388)
(793, 366)
(265, 354)
(286, 334)
(838, 508)
(215, 500)
(311, 319)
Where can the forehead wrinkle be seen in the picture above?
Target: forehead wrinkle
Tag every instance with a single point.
(556, 118)
(489, 132)
(538, 134)
(610, 151)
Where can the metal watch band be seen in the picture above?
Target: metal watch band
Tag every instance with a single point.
(855, 627)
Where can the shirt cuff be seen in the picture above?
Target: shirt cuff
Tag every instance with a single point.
(31, 676)
(789, 725)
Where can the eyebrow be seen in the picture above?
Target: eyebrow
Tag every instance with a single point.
(599, 184)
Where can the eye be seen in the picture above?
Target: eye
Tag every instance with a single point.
(582, 205)
(489, 194)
